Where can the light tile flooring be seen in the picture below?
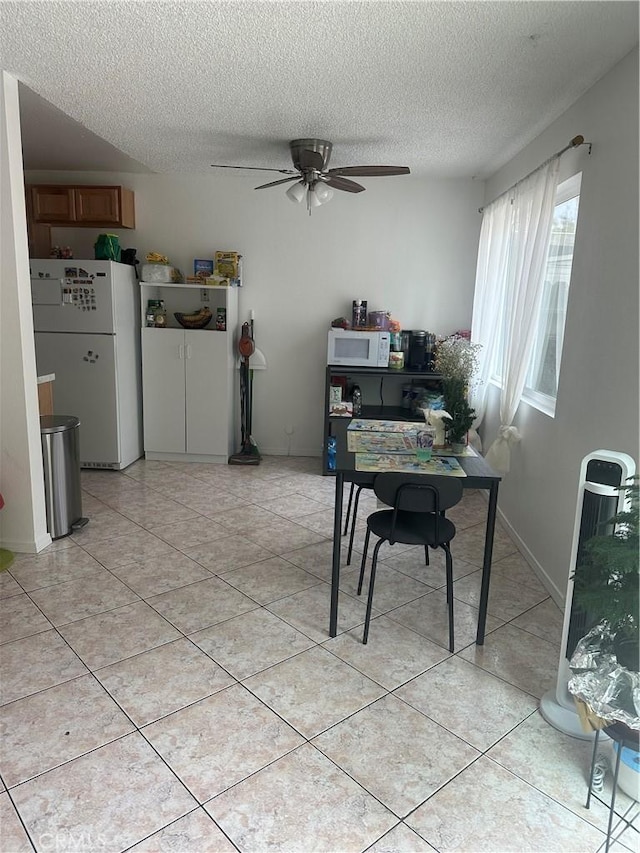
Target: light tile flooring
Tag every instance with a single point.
(168, 683)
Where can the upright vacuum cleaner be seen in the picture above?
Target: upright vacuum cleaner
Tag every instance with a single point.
(249, 453)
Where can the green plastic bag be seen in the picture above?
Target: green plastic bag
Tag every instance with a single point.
(107, 248)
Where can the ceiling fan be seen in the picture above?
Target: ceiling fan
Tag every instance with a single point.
(314, 180)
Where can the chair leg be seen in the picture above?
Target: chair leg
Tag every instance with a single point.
(346, 523)
(372, 579)
(426, 555)
(364, 560)
(593, 767)
(353, 525)
(449, 565)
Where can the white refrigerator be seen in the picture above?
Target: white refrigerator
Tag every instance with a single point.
(86, 320)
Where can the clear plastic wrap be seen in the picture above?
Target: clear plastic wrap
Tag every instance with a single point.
(161, 273)
(610, 690)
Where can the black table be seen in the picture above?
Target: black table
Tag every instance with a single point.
(479, 476)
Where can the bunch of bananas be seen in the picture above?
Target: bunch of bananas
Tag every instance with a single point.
(157, 258)
(197, 316)
(197, 320)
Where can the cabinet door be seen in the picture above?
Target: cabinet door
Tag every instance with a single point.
(208, 377)
(52, 204)
(163, 390)
(98, 204)
(39, 237)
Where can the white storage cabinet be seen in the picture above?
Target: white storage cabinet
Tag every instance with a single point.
(190, 377)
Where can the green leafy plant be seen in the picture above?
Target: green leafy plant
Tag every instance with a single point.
(462, 415)
(457, 361)
(608, 579)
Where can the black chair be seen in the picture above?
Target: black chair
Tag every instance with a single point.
(419, 503)
(358, 483)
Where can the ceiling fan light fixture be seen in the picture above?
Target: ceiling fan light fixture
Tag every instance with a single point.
(322, 192)
(313, 199)
(296, 192)
(314, 180)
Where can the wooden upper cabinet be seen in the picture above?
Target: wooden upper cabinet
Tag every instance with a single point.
(53, 204)
(98, 204)
(87, 206)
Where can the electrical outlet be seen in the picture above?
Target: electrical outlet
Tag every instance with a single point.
(204, 295)
(289, 430)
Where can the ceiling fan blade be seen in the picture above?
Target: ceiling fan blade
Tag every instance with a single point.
(256, 168)
(275, 183)
(369, 171)
(311, 160)
(343, 184)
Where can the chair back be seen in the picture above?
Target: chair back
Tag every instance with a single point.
(417, 492)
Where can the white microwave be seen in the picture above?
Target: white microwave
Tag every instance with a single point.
(358, 349)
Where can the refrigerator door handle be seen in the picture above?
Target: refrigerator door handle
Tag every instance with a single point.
(181, 352)
(188, 350)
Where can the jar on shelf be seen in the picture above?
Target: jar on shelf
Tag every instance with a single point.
(396, 360)
(161, 315)
(356, 399)
(150, 314)
(395, 341)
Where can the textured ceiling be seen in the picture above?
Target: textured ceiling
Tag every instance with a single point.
(446, 88)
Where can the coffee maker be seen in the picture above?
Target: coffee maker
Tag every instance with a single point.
(421, 346)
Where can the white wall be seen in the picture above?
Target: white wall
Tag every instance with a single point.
(23, 525)
(407, 245)
(597, 405)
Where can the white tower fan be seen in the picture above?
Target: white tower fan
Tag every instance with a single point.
(601, 495)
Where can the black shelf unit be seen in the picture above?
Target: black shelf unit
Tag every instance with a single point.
(336, 424)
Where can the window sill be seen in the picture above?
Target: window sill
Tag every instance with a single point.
(541, 402)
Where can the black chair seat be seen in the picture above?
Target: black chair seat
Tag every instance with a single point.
(411, 528)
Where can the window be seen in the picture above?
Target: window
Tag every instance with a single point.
(541, 384)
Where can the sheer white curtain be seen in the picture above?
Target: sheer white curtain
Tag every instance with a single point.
(512, 257)
(491, 276)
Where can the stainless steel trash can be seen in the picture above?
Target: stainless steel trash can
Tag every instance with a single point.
(60, 437)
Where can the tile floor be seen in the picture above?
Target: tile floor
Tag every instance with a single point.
(168, 683)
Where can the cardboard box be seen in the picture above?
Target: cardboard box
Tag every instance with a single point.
(335, 394)
(441, 466)
(202, 268)
(341, 409)
(376, 436)
(227, 264)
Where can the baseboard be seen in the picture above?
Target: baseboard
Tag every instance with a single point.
(156, 456)
(27, 546)
(283, 451)
(537, 568)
